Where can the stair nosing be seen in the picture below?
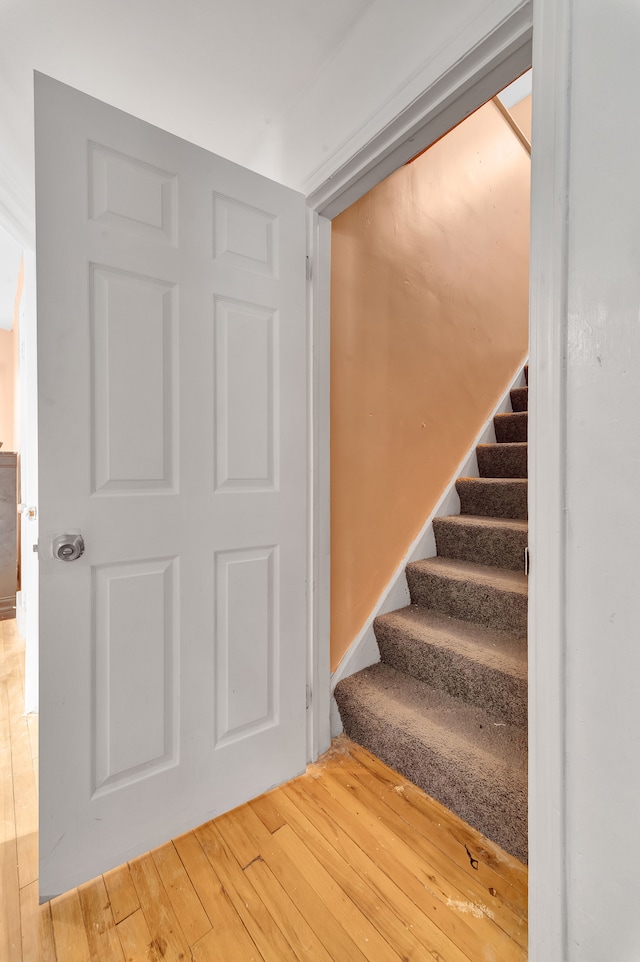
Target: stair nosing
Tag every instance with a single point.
(453, 634)
(484, 520)
(471, 571)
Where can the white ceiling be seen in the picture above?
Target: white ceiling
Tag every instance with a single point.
(235, 76)
(191, 67)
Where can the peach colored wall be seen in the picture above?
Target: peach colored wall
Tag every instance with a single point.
(9, 360)
(521, 113)
(16, 357)
(7, 406)
(429, 322)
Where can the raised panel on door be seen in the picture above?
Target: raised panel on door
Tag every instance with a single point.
(133, 329)
(173, 439)
(247, 642)
(246, 349)
(135, 670)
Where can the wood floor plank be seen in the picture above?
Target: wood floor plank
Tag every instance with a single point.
(47, 938)
(122, 893)
(136, 941)
(243, 825)
(284, 911)
(226, 944)
(384, 915)
(229, 934)
(263, 930)
(268, 813)
(29, 911)
(503, 864)
(453, 849)
(68, 928)
(392, 880)
(496, 923)
(100, 928)
(26, 814)
(418, 877)
(10, 927)
(363, 932)
(25, 794)
(163, 925)
(183, 897)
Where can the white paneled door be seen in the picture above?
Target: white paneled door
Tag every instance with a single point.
(172, 407)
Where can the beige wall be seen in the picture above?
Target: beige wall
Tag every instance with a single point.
(429, 322)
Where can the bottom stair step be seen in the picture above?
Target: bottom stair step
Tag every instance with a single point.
(469, 761)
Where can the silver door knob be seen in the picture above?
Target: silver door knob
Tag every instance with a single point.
(68, 547)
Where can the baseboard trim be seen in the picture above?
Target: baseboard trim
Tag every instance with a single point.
(364, 649)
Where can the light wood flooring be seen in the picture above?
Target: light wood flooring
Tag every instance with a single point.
(349, 862)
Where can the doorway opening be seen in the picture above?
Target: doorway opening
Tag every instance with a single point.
(429, 327)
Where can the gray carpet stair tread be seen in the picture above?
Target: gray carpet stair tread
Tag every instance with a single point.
(506, 460)
(494, 597)
(470, 761)
(499, 542)
(493, 497)
(486, 646)
(511, 427)
(468, 573)
(484, 667)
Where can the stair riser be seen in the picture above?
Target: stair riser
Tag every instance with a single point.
(475, 800)
(519, 398)
(501, 696)
(486, 546)
(493, 501)
(501, 461)
(490, 606)
(510, 427)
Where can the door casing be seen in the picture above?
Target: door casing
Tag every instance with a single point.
(503, 55)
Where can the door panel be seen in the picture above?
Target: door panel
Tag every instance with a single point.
(172, 383)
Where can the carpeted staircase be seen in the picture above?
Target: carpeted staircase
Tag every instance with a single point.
(447, 704)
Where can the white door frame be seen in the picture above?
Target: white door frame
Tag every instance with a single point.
(503, 55)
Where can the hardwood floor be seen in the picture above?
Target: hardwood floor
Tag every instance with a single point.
(347, 863)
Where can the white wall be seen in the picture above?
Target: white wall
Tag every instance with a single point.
(603, 485)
